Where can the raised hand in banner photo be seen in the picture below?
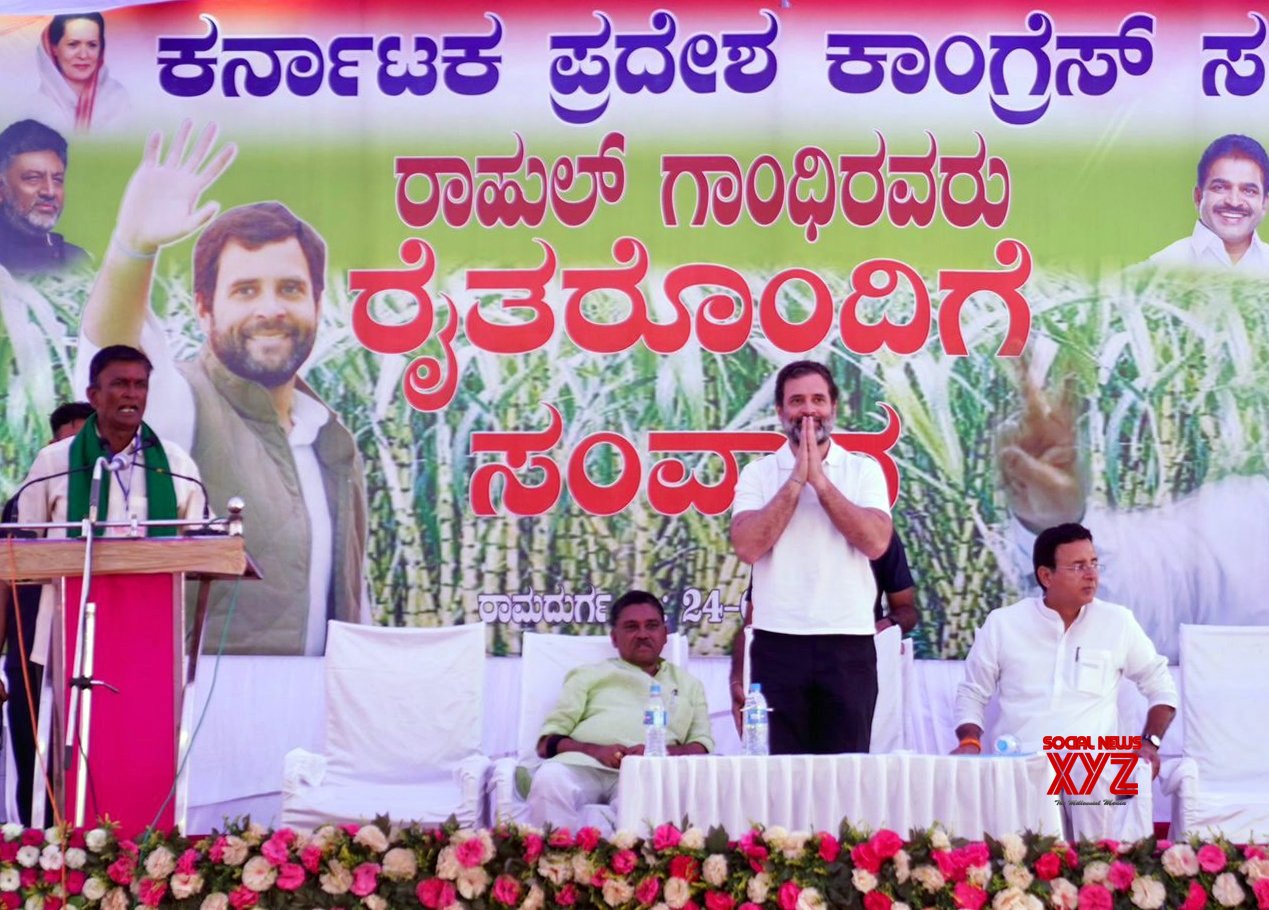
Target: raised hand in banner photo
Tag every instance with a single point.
(160, 206)
(1039, 462)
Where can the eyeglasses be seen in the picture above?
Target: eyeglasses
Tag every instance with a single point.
(1082, 567)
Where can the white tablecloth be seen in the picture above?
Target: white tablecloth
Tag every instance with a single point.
(967, 795)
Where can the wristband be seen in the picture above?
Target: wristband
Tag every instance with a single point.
(553, 744)
(970, 741)
(130, 253)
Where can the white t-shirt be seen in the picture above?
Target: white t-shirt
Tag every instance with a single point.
(812, 582)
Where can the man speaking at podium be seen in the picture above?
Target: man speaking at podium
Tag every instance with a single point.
(59, 486)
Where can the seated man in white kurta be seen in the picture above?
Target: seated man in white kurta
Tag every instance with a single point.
(598, 720)
(1056, 662)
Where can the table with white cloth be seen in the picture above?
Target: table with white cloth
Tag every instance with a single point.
(967, 795)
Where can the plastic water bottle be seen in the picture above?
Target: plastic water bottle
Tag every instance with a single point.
(1006, 744)
(654, 723)
(755, 720)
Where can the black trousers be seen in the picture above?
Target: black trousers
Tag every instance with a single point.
(21, 726)
(821, 689)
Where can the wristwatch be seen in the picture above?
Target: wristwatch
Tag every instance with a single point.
(1152, 739)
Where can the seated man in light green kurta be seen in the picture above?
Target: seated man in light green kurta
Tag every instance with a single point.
(598, 720)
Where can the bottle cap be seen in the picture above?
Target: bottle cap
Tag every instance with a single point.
(655, 689)
(755, 687)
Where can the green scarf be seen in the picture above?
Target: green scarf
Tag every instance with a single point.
(160, 493)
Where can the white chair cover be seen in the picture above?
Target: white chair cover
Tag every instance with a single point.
(1218, 786)
(403, 729)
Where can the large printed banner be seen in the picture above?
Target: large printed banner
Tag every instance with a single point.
(535, 267)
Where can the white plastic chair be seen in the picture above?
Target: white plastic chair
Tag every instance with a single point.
(1218, 784)
(545, 659)
(403, 729)
(889, 715)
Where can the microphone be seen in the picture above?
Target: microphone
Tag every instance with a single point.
(94, 496)
(198, 480)
(10, 514)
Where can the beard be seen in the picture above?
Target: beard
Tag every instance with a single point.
(793, 430)
(234, 347)
(32, 222)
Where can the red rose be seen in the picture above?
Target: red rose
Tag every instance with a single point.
(506, 890)
(533, 847)
(435, 893)
(718, 900)
(566, 896)
(787, 897)
(242, 898)
(830, 849)
(647, 890)
(1095, 897)
(1197, 898)
(624, 861)
(886, 843)
(588, 839)
(968, 897)
(875, 900)
(864, 856)
(685, 867)
(1048, 867)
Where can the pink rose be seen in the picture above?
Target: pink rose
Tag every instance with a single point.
(876, 900)
(468, 853)
(243, 897)
(1254, 851)
(560, 838)
(52, 876)
(1196, 899)
(1162, 844)
(1072, 859)
(968, 897)
(886, 843)
(718, 900)
(9, 899)
(1211, 858)
(506, 890)
(52, 902)
(150, 892)
(32, 837)
(1260, 888)
(436, 893)
(685, 867)
(787, 896)
(1108, 844)
(74, 881)
(948, 866)
(9, 851)
(666, 837)
(311, 858)
(533, 847)
(754, 849)
(217, 852)
(28, 878)
(120, 871)
(830, 849)
(365, 879)
(864, 856)
(588, 838)
(749, 905)
(275, 851)
(350, 829)
(624, 861)
(566, 896)
(187, 863)
(647, 890)
(973, 854)
(290, 877)
(1095, 897)
(1048, 867)
(1121, 875)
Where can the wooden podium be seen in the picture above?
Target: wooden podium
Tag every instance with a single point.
(127, 768)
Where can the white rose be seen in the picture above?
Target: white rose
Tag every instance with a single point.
(555, 868)
(34, 902)
(371, 837)
(692, 839)
(75, 857)
(624, 840)
(375, 902)
(94, 889)
(536, 899)
(863, 880)
(399, 864)
(583, 868)
(775, 836)
(28, 855)
(714, 869)
(1017, 876)
(447, 864)
(1014, 849)
(10, 880)
(1180, 861)
(1148, 893)
(899, 905)
(336, 879)
(1095, 872)
(11, 830)
(795, 844)
(255, 833)
(186, 884)
(1227, 891)
(617, 891)
(215, 901)
(96, 839)
(51, 857)
(928, 877)
(758, 887)
(160, 863)
(902, 866)
(117, 899)
(1255, 869)
(939, 840)
(1014, 899)
(259, 874)
(1063, 895)
(978, 875)
(53, 835)
(677, 892)
(235, 850)
(472, 882)
(811, 899)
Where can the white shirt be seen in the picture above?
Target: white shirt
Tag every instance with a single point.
(47, 501)
(1057, 681)
(171, 412)
(812, 582)
(1203, 249)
